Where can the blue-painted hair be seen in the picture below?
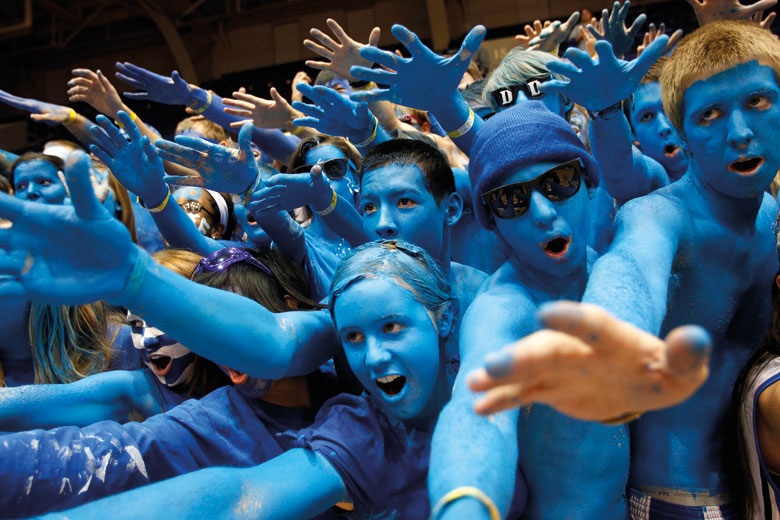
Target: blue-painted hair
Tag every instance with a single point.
(401, 261)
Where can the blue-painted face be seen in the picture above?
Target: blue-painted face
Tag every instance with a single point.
(39, 180)
(731, 123)
(551, 237)
(201, 208)
(171, 362)
(346, 186)
(340, 85)
(391, 343)
(396, 204)
(656, 135)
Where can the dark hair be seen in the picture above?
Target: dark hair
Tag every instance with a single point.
(288, 278)
(740, 481)
(232, 222)
(35, 156)
(435, 169)
(310, 143)
(473, 94)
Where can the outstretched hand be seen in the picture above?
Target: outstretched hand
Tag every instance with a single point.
(286, 192)
(153, 87)
(598, 84)
(425, 81)
(94, 89)
(342, 54)
(39, 111)
(614, 28)
(708, 11)
(334, 114)
(553, 34)
(264, 113)
(653, 33)
(134, 163)
(220, 168)
(592, 366)
(63, 254)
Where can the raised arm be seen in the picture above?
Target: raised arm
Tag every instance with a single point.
(614, 30)
(52, 115)
(140, 170)
(117, 395)
(176, 91)
(467, 449)
(600, 86)
(69, 255)
(310, 486)
(285, 192)
(425, 81)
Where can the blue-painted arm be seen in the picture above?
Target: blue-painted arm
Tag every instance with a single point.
(285, 192)
(625, 171)
(79, 253)
(136, 165)
(118, 395)
(425, 81)
(10, 157)
(310, 486)
(631, 280)
(469, 450)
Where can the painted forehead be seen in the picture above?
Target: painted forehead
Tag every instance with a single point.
(393, 177)
(323, 153)
(744, 77)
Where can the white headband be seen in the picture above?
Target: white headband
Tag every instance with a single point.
(222, 208)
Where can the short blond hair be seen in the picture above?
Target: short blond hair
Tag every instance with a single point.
(208, 129)
(710, 50)
(180, 261)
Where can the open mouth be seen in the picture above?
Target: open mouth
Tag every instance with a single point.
(161, 363)
(557, 247)
(746, 167)
(671, 150)
(391, 385)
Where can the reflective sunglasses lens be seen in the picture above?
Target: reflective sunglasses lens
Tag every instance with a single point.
(335, 168)
(560, 183)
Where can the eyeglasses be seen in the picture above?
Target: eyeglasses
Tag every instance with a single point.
(512, 200)
(507, 96)
(194, 206)
(332, 168)
(220, 260)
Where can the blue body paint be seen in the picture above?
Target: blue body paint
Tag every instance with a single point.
(657, 137)
(701, 251)
(38, 179)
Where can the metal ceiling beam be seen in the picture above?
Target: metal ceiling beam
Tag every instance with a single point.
(175, 43)
(59, 11)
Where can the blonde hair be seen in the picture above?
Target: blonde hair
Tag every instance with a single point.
(710, 50)
(208, 129)
(180, 261)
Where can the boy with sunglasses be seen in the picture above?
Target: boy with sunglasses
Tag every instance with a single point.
(536, 198)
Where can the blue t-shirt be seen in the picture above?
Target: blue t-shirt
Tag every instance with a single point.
(64, 467)
(383, 463)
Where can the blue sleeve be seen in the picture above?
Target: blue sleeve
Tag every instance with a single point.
(383, 465)
(322, 257)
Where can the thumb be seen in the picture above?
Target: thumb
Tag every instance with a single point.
(688, 350)
(373, 38)
(77, 173)
(245, 137)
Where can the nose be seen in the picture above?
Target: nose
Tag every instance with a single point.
(386, 226)
(542, 210)
(376, 355)
(664, 127)
(31, 192)
(739, 133)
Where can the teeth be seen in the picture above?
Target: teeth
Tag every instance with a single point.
(387, 379)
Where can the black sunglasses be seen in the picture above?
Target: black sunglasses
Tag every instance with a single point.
(512, 200)
(332, 168)
(507, 96)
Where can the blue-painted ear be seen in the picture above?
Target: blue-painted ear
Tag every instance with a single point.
(445, 320)
(454, 206)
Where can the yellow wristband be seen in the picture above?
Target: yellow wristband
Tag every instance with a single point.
(204, 107)
(464, 129)
(298, 130)
(248, 193)
(367, 86)
(462, 492)
(329, 209)
(133, 117)
(71, 117)
(162, 204)
(370, 140)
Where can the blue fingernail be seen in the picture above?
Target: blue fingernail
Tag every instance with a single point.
(498, 364)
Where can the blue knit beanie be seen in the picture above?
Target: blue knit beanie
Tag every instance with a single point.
(526, 134)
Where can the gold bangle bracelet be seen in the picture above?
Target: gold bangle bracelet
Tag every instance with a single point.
(204, 107)
(71, 117)
(462, 492)
(162, 204)
(329, 209)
